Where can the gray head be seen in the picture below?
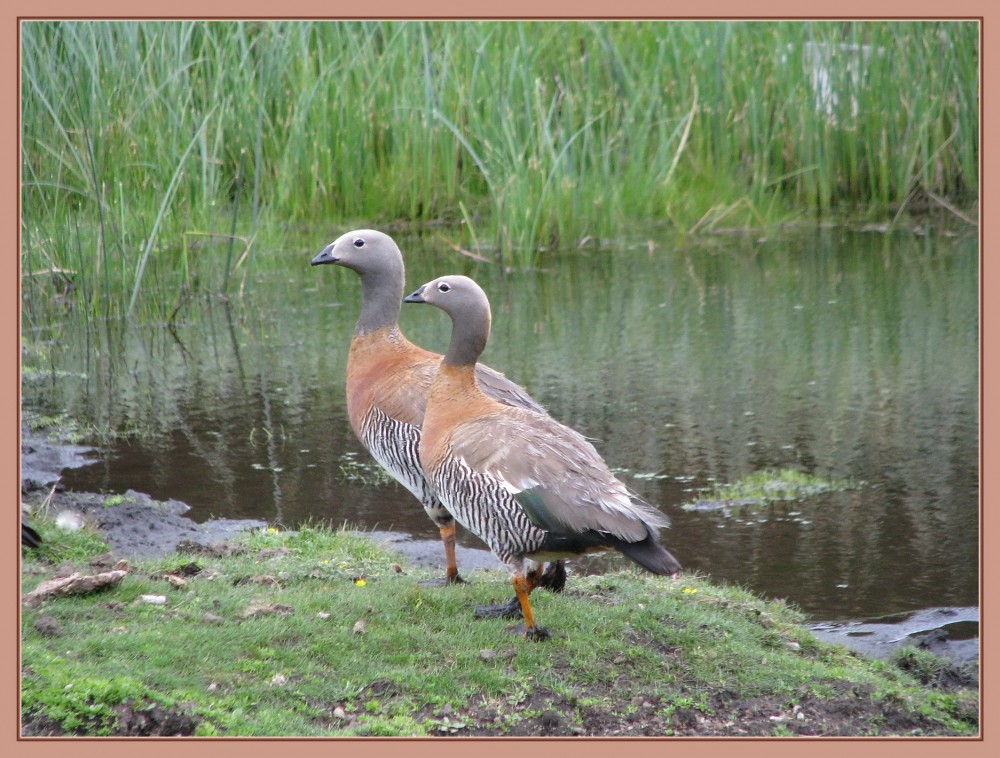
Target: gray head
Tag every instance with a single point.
(377, 260)
(365, 251)
(464, 300)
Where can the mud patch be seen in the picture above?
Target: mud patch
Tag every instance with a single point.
(154, 721)
(133, 524)
(545, 713)
(42, 460)
(950, 633)
(131, 720)
(136, 526)
(430, 553)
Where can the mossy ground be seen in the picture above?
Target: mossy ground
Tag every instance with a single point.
(321, 632)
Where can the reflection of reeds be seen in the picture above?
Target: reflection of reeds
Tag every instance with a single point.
(364, 471)
(533, 135)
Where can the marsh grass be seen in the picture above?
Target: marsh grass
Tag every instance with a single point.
(317, 633)
(141, 139)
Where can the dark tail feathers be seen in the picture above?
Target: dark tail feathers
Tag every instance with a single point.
(29, 537)
(651, 555)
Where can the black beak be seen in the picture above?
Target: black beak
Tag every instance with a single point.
(325, 257)
(417, 296)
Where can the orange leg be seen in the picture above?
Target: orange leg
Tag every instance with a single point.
(523, 586)
(451, 571)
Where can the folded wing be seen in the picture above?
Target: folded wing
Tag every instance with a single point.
(555, 474)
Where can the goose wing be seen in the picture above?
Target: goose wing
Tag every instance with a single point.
(498, 387)
(555, 474)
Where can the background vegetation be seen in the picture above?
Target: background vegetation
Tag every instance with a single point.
(146, 144)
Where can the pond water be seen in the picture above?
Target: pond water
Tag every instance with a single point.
(846, 354)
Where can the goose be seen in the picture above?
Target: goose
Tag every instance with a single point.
(531, 488)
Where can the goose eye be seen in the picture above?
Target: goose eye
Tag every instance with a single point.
(358, 242)
(444, 287)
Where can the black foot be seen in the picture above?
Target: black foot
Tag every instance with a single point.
(536, 633)
(554, 577)
(511, 610)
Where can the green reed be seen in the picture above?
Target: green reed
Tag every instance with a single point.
(533, 136)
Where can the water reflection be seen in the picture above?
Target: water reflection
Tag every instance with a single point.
(838, 353)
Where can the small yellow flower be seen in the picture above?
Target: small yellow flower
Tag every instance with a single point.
(360, 583)
(689, 591)
(272, 530)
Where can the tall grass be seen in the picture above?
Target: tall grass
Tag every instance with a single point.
(139, 138)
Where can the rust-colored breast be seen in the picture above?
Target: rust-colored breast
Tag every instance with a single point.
(387, 371)
(455, 399)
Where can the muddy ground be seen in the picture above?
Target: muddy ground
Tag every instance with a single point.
(138, 527)
(135, 527)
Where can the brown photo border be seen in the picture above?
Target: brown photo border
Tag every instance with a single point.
(986, 11)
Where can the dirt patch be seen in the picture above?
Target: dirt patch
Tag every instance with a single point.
(545, 713)
(430, 554)
(136, 526)
(853, 710)
(154, 721)
(132, 720)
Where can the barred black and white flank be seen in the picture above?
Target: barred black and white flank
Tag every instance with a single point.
(395, 445)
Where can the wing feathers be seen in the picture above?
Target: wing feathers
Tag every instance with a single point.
(498, 387)
(557, 476)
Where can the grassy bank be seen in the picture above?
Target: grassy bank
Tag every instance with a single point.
(321, 633)
(150, 147)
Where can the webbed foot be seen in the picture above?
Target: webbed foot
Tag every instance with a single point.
(509, 610)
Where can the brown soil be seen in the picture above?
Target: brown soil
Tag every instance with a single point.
(133, 721)
(852, 714)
